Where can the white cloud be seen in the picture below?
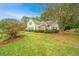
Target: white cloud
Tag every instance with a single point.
(9, 14)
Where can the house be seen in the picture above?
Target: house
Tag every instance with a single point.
(38, 25)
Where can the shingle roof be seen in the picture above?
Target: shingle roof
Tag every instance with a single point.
(43, 23)
(36, 22)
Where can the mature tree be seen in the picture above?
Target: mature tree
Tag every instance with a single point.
(25, 19)
(68, 15)
(10, 27)
(65, 14)
(48, 12)
(35, 18)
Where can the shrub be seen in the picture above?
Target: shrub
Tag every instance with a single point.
(51, 31)
(45, 31)
(10, 26)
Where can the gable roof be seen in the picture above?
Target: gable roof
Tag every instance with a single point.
(43, 23)
(36, 22)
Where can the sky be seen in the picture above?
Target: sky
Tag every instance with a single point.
(17, 10)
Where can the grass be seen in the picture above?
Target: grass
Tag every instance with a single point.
(42, 44)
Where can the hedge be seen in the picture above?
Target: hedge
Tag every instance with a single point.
(44, 31)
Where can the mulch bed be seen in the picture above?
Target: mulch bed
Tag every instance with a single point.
(10, 40)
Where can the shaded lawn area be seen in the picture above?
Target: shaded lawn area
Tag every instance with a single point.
(42, 44)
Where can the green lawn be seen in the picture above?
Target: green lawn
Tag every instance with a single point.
(41, 44)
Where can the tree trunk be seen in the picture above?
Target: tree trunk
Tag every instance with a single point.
(61, 26)
(12, 36)
(61, 31)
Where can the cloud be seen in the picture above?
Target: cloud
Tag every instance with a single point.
(17, 10)
(9, 14)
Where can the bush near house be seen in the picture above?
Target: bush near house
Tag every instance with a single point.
(73, 30)
(51, 31)
(45, 31)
